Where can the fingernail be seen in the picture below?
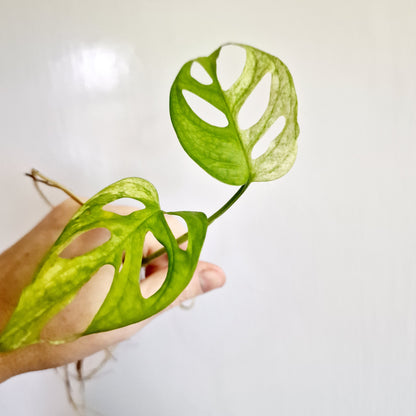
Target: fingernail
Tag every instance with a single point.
(211, 279)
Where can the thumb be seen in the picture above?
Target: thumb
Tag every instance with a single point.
(207, 276)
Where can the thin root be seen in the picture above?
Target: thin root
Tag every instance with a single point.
(40, 178)
(77, 381)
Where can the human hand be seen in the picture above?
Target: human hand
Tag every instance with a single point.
(18, 265)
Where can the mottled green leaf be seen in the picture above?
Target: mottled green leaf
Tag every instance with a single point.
(58, 279)
(226, 152)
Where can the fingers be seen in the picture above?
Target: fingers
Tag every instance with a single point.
(207, 277)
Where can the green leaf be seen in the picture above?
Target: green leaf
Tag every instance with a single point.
(226, 152)
(58, 279)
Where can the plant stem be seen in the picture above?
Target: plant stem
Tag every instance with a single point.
(211, 219)
(228, 204)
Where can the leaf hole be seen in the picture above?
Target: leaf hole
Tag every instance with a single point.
(124, 206)
(178, 227)
(256, 103)
(86, 242)
(230, 65)
(204, 110)
(158, 272)
(271, 134)
(199, 73)
(78, 314)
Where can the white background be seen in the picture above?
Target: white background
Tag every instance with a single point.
(319, 310)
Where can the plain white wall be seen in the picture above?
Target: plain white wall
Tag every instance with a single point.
(318, 313)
